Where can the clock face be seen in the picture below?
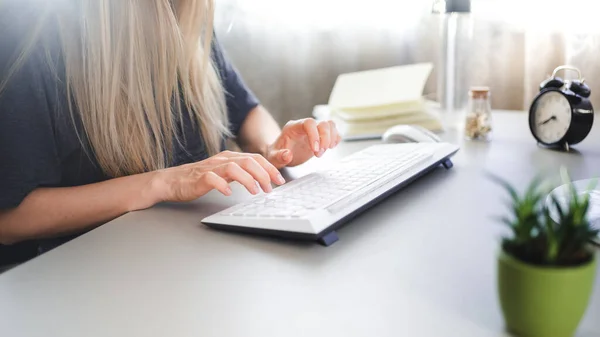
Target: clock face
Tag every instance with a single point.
(551, 117)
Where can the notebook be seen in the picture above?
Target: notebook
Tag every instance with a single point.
(365, 104)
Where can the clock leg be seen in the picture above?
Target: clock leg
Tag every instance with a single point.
(567, 147)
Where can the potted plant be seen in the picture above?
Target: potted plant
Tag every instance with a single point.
(546, 268)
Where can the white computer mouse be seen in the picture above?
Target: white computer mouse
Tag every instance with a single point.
(409, 134)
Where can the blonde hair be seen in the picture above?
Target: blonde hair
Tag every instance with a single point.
(132, 66)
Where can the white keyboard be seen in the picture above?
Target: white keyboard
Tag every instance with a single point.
(313, 206)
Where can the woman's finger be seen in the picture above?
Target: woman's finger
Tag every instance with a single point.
(272, 171)
(210, 180)
(325, 137)
(312, 133)
(232, 171)
(334, 135)
(226, 154)
(259, 173)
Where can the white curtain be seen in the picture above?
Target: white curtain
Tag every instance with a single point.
(291, 51)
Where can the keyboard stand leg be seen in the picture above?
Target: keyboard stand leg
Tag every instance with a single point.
(329, 239)
(447, 164)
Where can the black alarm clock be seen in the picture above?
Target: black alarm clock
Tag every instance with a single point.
(561, 114)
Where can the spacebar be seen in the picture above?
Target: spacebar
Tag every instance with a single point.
(373, 185)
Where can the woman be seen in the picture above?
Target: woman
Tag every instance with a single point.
(112, 106)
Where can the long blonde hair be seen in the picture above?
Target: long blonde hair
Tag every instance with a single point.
(132, 66)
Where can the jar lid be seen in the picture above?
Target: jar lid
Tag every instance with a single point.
(479, 92)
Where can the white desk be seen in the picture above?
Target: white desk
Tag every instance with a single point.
(422, 263)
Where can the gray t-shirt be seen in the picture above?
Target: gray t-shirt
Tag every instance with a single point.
(39, 146)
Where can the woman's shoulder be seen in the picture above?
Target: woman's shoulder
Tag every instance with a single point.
(30, 81)
(28, 102)
(19, 18)
(26, 21)
(29, 45)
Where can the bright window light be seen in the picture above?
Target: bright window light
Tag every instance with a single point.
(572, 16)
(332, 14)
(569, 16)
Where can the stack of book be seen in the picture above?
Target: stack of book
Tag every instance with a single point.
(365, 104)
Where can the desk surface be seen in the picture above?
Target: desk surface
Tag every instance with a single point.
(422, 263)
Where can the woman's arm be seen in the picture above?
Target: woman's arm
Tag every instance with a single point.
(258, 131)
(49, 212)
(297, 142)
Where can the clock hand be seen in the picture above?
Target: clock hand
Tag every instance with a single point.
(548, 120)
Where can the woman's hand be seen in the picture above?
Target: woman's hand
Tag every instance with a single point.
(300, 140)
(191, 181)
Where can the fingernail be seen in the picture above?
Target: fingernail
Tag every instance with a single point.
(268, 189)
(316, 146)
(228, 191)
(320, 153)
(280, 179)
(254, 190)
(286, 155)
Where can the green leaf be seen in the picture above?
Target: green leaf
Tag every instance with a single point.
(534, 185)
(564, 174)
(552, 242)
(506, 185)
(507, 221)
(583, 210)
(592, 185)
(557, 206)
(539, 239)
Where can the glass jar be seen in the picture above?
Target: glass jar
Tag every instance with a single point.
(478, 118)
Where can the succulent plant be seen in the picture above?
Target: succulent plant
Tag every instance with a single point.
(538, 239)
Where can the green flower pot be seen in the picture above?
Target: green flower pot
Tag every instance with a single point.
(541, 301)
